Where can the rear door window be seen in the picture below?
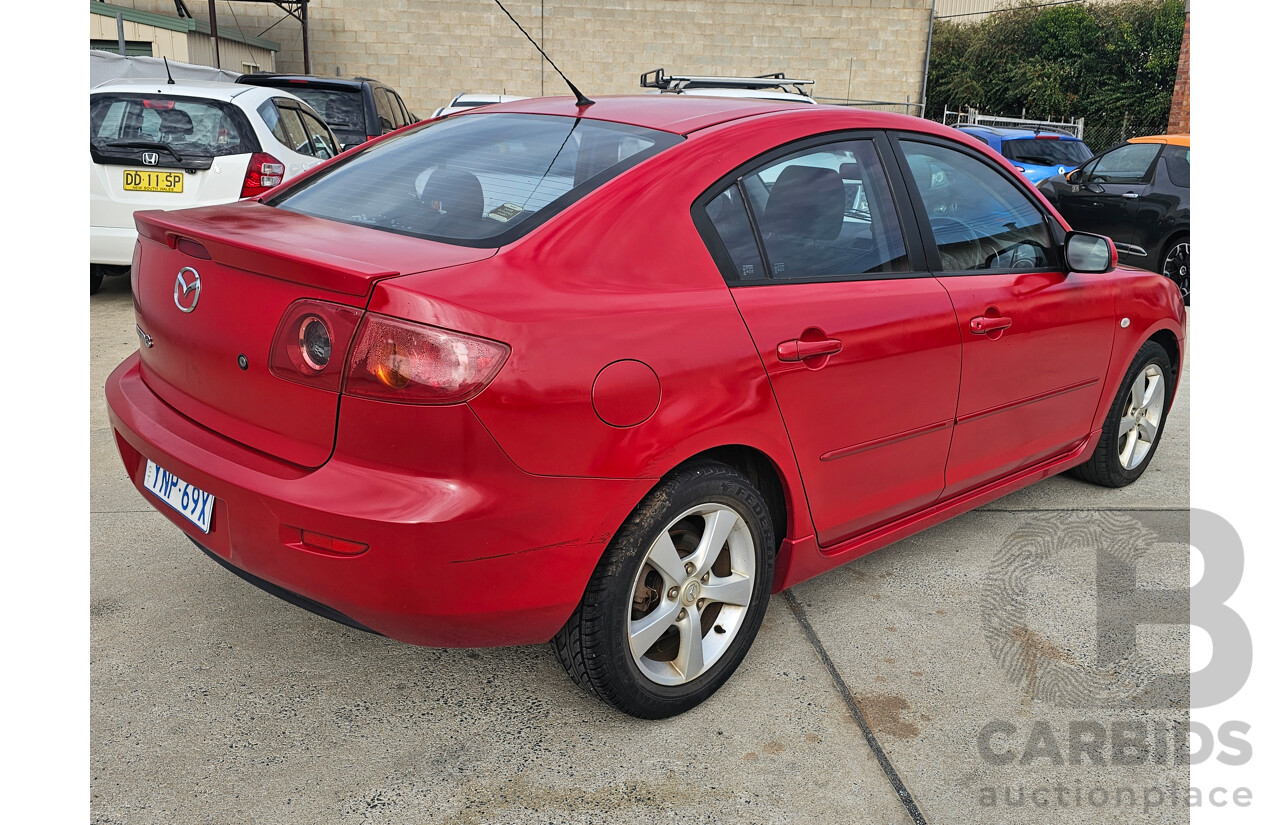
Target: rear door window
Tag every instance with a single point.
(178, 129)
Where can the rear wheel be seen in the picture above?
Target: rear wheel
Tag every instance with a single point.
(95, 278)
(678, 597)
(1177, 266)
(1134, 423)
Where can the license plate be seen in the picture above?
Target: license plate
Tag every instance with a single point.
(138, 180)
(187, 499)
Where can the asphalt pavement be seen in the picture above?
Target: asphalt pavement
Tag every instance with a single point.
(997, 668)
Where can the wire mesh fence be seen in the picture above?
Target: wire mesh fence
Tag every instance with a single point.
(1103, 134)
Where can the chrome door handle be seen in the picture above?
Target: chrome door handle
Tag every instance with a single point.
(1130, 195)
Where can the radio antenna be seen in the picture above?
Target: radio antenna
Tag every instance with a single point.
(166, 71)
(583, 100)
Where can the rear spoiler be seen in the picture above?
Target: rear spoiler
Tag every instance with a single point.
(258, 249)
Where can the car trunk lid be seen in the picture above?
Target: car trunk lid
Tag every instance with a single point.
(206, 349)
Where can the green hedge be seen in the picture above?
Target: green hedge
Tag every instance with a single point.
(1105, 62)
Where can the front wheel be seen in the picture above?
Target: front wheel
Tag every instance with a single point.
(1177, 267)
(1135, 421)
(678, 596)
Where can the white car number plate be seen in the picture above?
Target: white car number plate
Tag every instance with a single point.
(188, 499)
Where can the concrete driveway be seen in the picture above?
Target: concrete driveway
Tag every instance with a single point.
(960, 676)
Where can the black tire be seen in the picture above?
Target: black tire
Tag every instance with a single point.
(1175, 265)
(1107, 466)
(95, 278)
(595, 645)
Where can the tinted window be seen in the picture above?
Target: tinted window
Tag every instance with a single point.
(826, 212)
(189, 126)
(980, 220)
(320, 140)
(1126, 164)
(479, 180)
(386, 115)
(342, 110)
(728, 214)
(1178, 161)
(1046, 151)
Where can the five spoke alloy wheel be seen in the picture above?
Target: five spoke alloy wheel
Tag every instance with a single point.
(1134, 423)
(677, 597)
(1140, 424)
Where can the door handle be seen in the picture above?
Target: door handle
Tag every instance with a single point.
(797, 350)
(1130, 195)
(985, 323)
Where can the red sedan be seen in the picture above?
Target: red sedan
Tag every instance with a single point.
(609, 375)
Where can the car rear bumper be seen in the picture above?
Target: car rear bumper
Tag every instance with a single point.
(112, 245)
(482, 555)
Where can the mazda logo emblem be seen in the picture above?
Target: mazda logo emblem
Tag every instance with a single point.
(186, 293)
(150, 158)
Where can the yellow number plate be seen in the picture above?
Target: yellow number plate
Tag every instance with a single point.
(137, 180)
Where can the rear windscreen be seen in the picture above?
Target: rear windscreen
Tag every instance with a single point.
(1046, 151)
(343, 110)
(474, 180)
(176, 128)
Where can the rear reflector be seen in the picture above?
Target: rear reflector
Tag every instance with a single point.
(329, 544)
(394, 360)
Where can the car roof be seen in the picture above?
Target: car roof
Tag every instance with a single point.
(1010, 132)
(320, 80)
(160, 85)
(1176, 140)
(685, 113)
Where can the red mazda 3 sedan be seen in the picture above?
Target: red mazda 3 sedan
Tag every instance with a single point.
(609, 375)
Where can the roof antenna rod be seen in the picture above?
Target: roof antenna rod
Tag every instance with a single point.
(166, 71)
(583, 100)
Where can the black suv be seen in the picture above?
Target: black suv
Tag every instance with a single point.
(356, 108)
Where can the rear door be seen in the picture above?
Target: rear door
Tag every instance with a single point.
(158, 151)
(860, 345)
(1037, 338)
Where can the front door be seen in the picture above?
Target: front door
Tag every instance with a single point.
(1036, 338)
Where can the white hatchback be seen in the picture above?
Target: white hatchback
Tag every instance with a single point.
(160, 145)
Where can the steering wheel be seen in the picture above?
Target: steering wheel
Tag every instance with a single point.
(972, 251)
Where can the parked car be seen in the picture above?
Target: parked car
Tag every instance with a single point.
(463, 102)
(356, 108)
(156, 145)
(775, 86)
(609, 375)
(1036, 154)
(1138, 194)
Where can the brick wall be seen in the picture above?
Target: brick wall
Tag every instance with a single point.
(430, 50)
(1180, 111)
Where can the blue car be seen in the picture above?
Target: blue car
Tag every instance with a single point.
(1038, 155)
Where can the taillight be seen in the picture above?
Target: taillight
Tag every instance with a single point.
(310, 345)
(370, 137)
(396, 360)
(263, 173)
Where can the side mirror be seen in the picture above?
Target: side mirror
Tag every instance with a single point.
(1074, 176)
(1088, 253)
